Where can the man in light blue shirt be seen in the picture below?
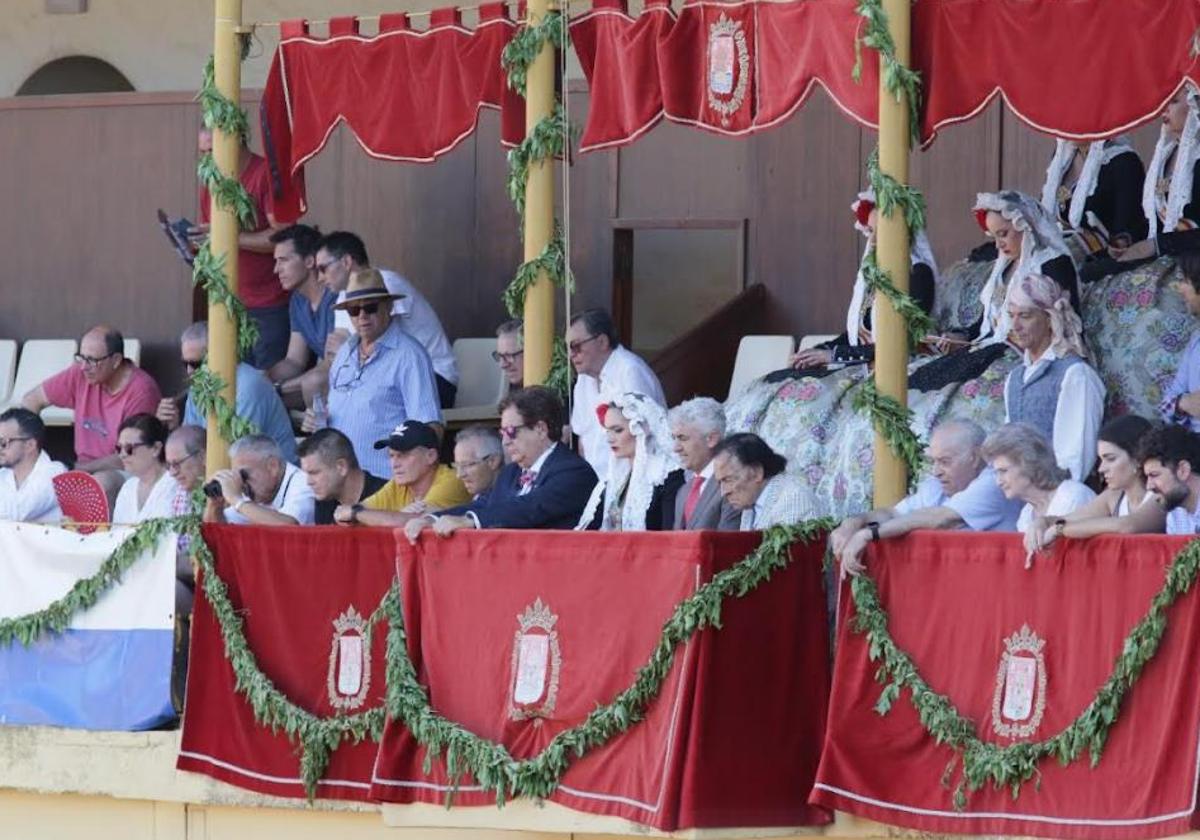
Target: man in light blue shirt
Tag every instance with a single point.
(257, 400)
(381, 377)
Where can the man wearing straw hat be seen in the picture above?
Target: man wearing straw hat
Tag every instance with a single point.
(381, 377)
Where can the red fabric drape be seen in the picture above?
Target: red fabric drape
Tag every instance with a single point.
(1084, 69)
(289, 585)
(730, 740)
(955, 602)
(406, 95)
(729, 68)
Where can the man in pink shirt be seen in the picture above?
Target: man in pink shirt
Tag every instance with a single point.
(103, 388)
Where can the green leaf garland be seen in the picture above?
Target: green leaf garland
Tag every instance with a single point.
(1014, 765)
(892, 421)
(527, 44)
(494, 768)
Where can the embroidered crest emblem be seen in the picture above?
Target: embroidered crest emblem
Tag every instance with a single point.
(728, 67)
(536, 662)
(349, 677)
(1020, 697)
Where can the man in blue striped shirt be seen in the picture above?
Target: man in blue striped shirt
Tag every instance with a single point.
(381, 377)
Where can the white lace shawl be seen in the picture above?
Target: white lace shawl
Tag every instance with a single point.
(920, 252)
(1179, 193)
(1041, 242)
(1099, 153)
(653, 461)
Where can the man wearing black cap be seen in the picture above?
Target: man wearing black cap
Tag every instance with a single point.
(419, 483)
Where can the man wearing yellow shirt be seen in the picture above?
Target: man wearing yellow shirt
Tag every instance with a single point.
(419, 483)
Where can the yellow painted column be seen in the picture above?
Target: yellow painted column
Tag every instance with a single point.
(892, 249)
(222, 332)
(539, 211)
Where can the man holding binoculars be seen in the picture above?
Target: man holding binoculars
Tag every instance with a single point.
(261, 487)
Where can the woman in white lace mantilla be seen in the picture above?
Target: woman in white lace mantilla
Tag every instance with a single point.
(642, 472)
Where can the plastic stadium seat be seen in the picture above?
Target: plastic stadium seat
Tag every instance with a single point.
(481, 385)
(133, 350)
(41, 358)
(8, 369)
(82, 499)
(757, 356)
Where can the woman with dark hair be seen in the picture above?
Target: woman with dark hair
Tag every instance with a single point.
(150, 492)
(1123, 507)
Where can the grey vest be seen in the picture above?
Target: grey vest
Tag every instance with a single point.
(1034, 402)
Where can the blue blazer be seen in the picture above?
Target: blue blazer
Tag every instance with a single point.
(557, 499)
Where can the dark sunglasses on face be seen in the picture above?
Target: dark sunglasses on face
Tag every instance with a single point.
(192, 365)
(506, 357)
(127, 449)
(367, 309)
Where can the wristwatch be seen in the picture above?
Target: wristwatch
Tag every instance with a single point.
(874, 528)
(1059, 524)
(355, 510)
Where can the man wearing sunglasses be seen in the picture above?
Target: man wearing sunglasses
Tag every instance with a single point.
(341, 254)
(510, 352)
(104, 389)
(26, 472)
(382, 377)
(257, 400)
(546, 485)
(605, 368)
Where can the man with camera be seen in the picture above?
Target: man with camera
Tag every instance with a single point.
(261, 488)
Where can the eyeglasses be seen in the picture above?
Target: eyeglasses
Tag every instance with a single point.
(363, 309)
(192, 364)
(128, 449)
(503, 358)
(91, 361)
(576, 346)
(173, 466)
(325, 266)
(4, 442)
(461, 466)
(511, 432)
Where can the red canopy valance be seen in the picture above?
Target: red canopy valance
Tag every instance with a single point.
(405, 94)
(1083, 69)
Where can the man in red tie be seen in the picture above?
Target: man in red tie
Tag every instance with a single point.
(697, 426)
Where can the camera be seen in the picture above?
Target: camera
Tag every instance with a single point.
(212, 489)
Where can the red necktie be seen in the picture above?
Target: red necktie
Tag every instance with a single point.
(693, 498)
(525, 480)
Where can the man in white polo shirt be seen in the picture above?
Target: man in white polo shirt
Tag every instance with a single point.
(605, 368)
(26, 472)
(342, 253)
(260, 488)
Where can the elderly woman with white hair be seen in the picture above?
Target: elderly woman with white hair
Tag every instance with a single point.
(1026, 470)
(642, 474)
(1054, 389)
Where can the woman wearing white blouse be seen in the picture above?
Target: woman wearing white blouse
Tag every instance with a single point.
(1026, 469)
(150, 492)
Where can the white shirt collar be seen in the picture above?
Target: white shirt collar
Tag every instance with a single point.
(541, 460)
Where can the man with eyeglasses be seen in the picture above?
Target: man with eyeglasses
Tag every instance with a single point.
(343, 253)
(26, 472)
(185, 452)
(104, 389)
(510, 352)
(260, 488)
(257, 400)
(478, 459)
(546, 485)
(381, 377)
(604, 368)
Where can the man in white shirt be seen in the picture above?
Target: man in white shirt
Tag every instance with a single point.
(604, 368)
(1167, 456)
(697, 426)
(342, 253)
(961, 494)
(260, 488)
(26, 472)
(752, 480)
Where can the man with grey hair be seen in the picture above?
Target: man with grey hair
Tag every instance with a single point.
(960, 492)
(510, 352)
(478, 459)
(260, 488)
(257, 399)
(697, 426)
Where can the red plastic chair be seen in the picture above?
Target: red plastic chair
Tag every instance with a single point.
(82, 500)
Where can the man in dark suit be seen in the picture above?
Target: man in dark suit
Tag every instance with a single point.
(697, 426)
(546, 485)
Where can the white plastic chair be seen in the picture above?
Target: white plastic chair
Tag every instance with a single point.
(41, 358)
(480, 381)
(757, 356)
(8, 369)
(811, 341)
(133, 350)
